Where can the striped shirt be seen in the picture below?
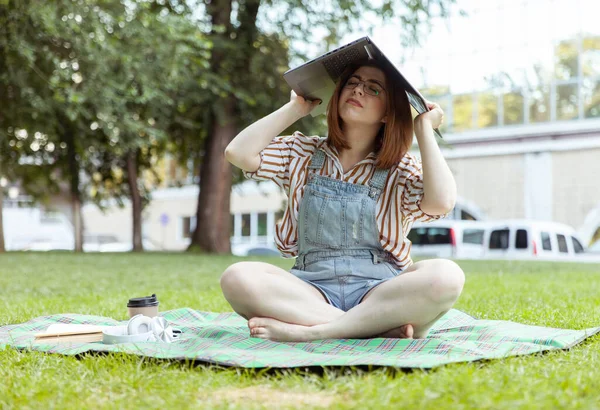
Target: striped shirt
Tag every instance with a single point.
(285, 161)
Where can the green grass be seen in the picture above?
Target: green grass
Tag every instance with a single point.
(31, 285)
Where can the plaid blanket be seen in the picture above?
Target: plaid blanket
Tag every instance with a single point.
(223, 338)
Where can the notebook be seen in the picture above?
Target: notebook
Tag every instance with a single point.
(71, 333)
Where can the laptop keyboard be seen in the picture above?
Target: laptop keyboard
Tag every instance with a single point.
(336, 65)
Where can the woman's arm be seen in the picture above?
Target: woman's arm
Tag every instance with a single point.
(439, 186)
(244, 150)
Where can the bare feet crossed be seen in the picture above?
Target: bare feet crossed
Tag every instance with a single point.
(278, 331)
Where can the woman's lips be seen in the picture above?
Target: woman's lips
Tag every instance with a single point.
(354, 102)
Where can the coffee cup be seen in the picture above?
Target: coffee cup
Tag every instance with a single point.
(146, 305)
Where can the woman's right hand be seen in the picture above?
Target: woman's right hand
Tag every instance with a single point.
(301, 106)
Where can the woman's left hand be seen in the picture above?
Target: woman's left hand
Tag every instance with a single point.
(435, 115)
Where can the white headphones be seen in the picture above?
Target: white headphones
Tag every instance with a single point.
(141, 328)
(162, 331)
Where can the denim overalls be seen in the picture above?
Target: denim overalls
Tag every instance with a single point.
(338, 239)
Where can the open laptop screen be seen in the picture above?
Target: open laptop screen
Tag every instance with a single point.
(316, 79)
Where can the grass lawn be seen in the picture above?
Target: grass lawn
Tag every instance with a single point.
(545, 294)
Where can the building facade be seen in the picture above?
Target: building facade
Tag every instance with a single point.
(519, 82)
(547, 173)
(169, 219)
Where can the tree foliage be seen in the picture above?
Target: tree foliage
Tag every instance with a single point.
(95, 92)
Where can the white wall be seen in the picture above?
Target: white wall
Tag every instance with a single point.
(537, 186)
(495, 184)
(177, 203)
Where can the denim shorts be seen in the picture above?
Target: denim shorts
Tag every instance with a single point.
(345, 278)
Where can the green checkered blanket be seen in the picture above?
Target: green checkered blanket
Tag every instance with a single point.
(223, 338)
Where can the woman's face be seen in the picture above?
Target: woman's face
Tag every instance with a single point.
(366, 102)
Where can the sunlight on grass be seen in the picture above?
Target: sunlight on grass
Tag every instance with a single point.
(31, 285)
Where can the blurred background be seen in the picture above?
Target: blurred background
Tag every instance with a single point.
(114, 116)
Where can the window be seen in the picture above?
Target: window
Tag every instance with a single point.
(566, 102)
(430, 236)
(188, 225)
(262, 224)
(591, 45)
(562, 243)
(462, 111)
(513, 107)
(232, 226)
(245, 224)
(499, 239)
(576, 245)
(546, 243)
(474, 236)
(521, 239)
(465, 216)
(566, 63)
(591, 66)
(590, 91)
(487, 110)
(539, 104)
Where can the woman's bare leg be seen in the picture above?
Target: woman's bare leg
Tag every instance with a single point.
(265, 290)
(258, 289)
(418, 297)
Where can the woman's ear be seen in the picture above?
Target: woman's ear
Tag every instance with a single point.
(384, 119)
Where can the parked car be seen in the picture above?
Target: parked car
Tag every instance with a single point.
(448, 238)
(34, 229)
(525, 239)
(254, 250)
(110, 243)
(45, 245)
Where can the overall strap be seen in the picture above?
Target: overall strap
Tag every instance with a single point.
(378, 179)
(318, 159)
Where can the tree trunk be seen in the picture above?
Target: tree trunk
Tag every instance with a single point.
(75, 194)
(2, 247)
(136, 200)
(213, 223)
(77, 223)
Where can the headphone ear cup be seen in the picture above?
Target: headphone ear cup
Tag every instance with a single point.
(139, 324)
(162, 330)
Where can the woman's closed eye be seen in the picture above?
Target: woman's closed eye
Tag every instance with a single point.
(374, 88)
(370, 87)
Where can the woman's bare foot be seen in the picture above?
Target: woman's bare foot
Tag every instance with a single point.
(273, 329)
(402, 332)
(278, 331)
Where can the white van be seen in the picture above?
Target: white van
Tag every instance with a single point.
(527, 239)
(448, 238)
(35, 229)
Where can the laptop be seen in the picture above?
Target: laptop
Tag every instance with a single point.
(317, 78)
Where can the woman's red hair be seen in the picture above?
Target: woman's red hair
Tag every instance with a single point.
(396, 134)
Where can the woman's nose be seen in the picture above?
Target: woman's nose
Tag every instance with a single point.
(359, 88)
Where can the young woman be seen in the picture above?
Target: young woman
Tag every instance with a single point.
(353, 198)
